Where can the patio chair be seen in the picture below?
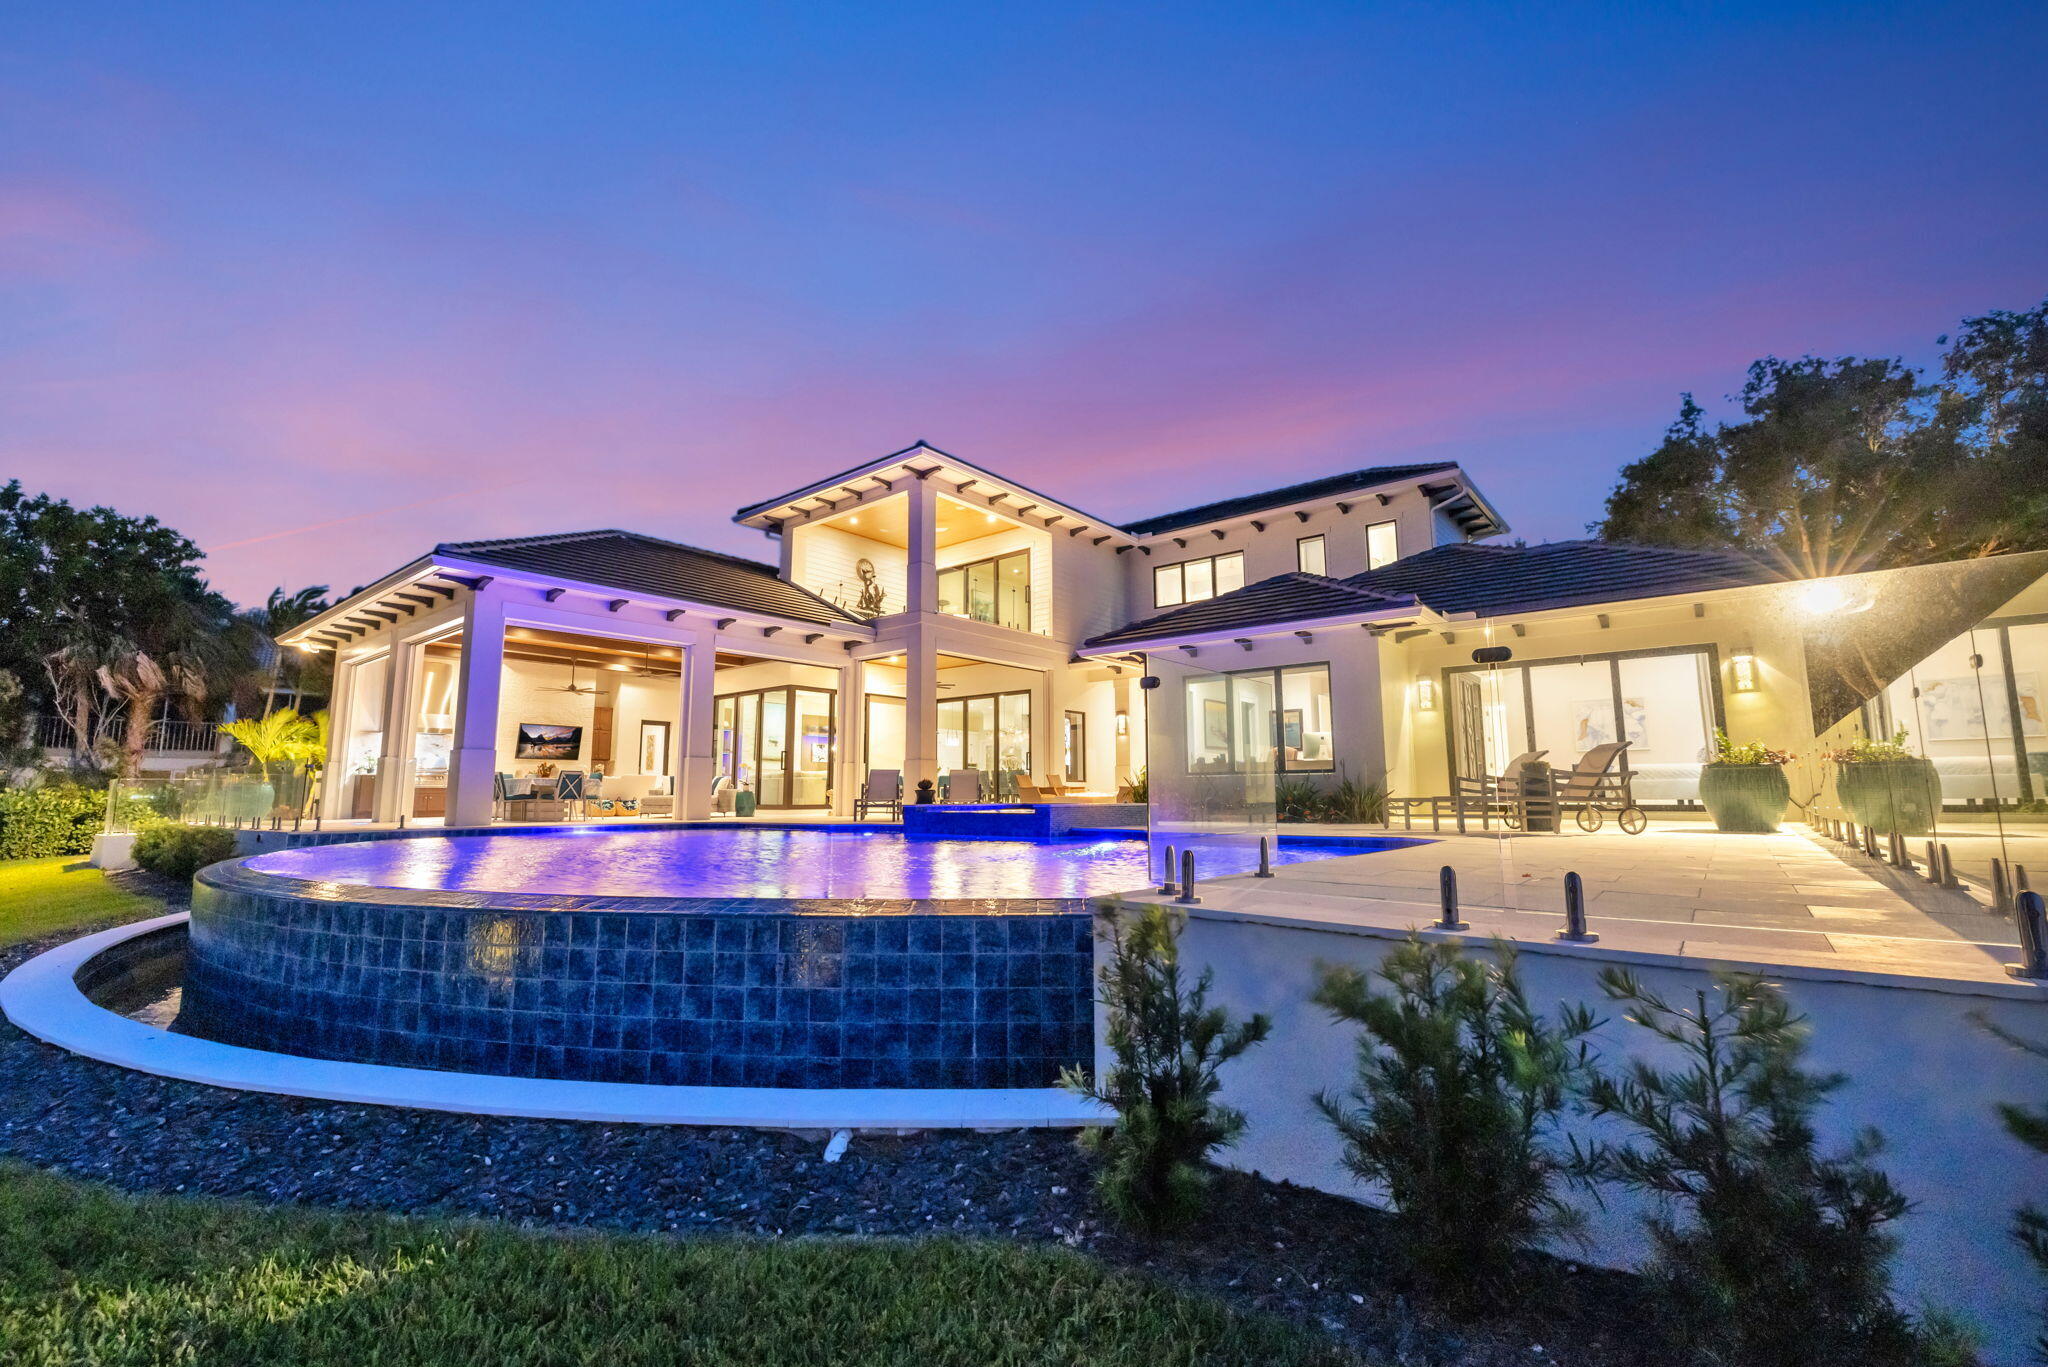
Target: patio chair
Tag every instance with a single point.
(1594, 785)
(963, 785)
(884, 792)
(1027, 791)
(725, 797)
(567, 801)
(508, 803)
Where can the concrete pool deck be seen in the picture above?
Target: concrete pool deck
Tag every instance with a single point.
(1679, 891)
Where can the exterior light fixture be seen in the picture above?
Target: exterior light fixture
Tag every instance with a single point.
(1742, 672)
(1823, 596)
(1123, 723)
(1425, 695)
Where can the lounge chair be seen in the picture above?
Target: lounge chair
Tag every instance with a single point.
(963, 785)
(725, 797)
(1595, 785)
(882, 792)
(1027, 791)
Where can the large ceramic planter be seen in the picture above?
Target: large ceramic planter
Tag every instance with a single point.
(1902, 795)
(1745, 798)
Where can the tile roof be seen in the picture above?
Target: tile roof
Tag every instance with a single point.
(1491, 580)
(665, 569)
(1291, 597)
(1327, 487)
(1488, 580)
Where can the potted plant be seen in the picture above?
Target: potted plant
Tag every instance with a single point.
(1885, 785)
(1744, 786)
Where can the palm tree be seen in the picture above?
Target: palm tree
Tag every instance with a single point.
(282, 737)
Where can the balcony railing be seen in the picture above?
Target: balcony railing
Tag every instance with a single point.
(165, 737)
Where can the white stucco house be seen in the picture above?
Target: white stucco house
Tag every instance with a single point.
(924, 615)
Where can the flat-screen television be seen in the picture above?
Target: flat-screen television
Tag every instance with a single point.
(537, 740)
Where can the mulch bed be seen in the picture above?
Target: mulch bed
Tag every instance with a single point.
(1268, 1246)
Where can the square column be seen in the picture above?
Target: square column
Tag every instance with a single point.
(696, 757)
(848, 773)
(921, 574)
(920, 715)
(401, 725)
(474, 763)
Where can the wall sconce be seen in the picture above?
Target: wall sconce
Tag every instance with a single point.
(1123, 723)
(1742, 672)
(1425, 695)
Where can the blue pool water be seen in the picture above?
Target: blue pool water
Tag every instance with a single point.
(737, 861)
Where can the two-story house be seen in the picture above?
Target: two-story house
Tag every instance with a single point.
(927, 616)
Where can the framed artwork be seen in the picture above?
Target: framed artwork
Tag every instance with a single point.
(1215, 724)
(1593, 722)
(1290, 727)
(1959, 709)
(653, 747)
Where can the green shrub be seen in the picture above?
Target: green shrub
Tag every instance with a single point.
(1168, 1043)
(1459, 1091)
(178, 852)
(1769, 1253)
(2029, 1125)
(49, 820)
(1297, 799)
(1363, 804)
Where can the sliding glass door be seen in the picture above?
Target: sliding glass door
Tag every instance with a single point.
(1665, 704)
(778, 743)
(990, 732)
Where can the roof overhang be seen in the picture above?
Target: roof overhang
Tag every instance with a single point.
(960, 479)
(1384, 618)
(1458, 500)
(445, 576)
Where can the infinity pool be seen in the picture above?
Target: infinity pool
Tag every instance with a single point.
(755, 862)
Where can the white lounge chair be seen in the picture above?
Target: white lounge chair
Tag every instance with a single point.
(963, 785)
(883, 791)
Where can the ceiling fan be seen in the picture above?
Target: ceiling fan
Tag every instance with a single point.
(572, 686)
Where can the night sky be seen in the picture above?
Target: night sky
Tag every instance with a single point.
(323, 288)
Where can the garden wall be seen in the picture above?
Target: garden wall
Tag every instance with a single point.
(1918, 1068)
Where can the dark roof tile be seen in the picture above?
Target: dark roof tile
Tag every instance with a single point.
(1327, 487)
(1291, 597)
(665, 569)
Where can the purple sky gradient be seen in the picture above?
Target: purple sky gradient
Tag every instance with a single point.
(322, 288)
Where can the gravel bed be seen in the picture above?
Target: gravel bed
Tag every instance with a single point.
(1270, 1246)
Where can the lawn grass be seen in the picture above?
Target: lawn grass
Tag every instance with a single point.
(90, 1276)
(40, 896)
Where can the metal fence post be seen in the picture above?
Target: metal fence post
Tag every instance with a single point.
(2001, 890)
(1265, 857)
(1187, 878)
(2033, 939)
(1575, 931)
(1447, 898)
(1166, 877)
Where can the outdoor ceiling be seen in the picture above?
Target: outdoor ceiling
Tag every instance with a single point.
(889, 522)
(596, 652)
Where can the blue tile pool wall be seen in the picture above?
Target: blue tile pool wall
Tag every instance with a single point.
(746, 998)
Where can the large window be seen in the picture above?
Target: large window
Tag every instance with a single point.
(1192, 581)
(992, 733)
(1663, 703)
(1074, 745)
(1976, 708)
(778, 743)
(1309, 557)
(1382, 545)
(996, 590)
(1260, 719)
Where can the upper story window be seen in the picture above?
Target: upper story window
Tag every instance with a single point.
(1191, 581)
(1382, 545)
(1309, 557)
(996, 590)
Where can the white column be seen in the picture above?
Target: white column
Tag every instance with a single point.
(920, 713)
(921, 575)
(696, 757)
(401, 725)
(474, 763)
(848, 771)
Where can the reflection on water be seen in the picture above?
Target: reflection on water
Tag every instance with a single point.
(755, 862)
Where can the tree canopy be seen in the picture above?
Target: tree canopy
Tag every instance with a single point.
(1853, 464)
